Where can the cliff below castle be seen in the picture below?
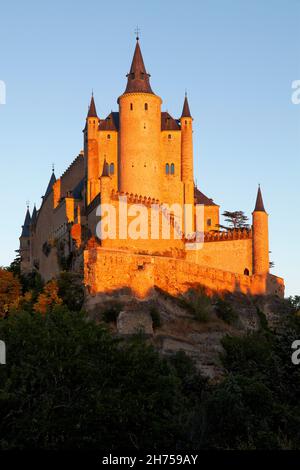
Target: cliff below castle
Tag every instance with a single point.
(193, 323)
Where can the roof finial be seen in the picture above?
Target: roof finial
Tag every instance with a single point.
(53, 168)
(137, 32)
(27, 204)
(185, 93)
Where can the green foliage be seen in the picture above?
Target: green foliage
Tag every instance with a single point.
(71, 290)
(294, 302)
(198, 303)
(225, 311)
(236, 219)
(111, 311)
(68, 384)
(155, 315)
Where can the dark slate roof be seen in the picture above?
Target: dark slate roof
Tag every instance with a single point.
(168, 123)
(50, 184)
(26, 226)
(186, 109)
(92, 109)
(77, 191)
(111, 123)
(34, 216)
(138, 78)
(105, 171)
(259, 206)
(200, 198)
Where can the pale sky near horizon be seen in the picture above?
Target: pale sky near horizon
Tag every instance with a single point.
(237, 59)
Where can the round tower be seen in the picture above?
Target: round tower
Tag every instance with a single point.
(91, 152)
(139, 134)
(261, 263)
(186, 121)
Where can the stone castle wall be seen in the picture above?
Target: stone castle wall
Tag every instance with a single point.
(106, 271)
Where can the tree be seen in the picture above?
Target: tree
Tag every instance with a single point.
(236, 219)
(48, 298)
(10, 291)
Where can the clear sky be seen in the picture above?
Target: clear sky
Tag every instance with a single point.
(236, 58)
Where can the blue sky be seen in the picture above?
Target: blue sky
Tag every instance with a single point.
(236, 58)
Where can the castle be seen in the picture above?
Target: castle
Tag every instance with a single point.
(141, 157)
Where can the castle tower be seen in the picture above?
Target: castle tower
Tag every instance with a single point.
(105, 184)
(139, 136)
(260, 237)
(187, 166)
(91, 152)
(25, 244)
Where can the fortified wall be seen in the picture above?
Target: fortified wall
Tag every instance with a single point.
(108, 271)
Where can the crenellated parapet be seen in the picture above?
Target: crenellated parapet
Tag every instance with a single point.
(135, 198)
(236, 234)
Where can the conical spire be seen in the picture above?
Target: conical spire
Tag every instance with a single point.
(50, 184)
(186, 109)
(259, 206)
(92, 109)
(138, 78)
(105, 171)
(34, 216)
(25, 227)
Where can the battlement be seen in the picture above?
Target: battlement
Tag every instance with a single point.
(134, 198)
(236, 234)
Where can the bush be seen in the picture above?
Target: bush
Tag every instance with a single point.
(225, 311)
(111, 311)
(198, 303)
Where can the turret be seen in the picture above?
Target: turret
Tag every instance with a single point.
(139, 136)
(187, 167)
(91, 152)
(105, 184)
(25, 243)
(260, 237)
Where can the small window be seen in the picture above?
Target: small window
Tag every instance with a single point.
(246, 272)
(131, 106)
(111, 169)
(169, 136)
(167, 168)
(108, 136)
(172, 169)
(146, 106)
(209, 222)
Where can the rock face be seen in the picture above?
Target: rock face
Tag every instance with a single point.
(179, 330)
(130, 322)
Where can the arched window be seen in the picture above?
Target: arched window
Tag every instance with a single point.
(246, 272)
(172, 169)
(169, 136)
(146, 106)
(111, 169)
(167, 168)
(108, 136)
(131, 106)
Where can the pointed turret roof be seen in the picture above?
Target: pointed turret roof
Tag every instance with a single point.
(50, 184)
(138, 78)
(26, 226)
(259, 206)
(186, 109)
(105, 171)
(34, 216)
(92, 109)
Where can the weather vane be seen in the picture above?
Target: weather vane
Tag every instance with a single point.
(137, 32)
